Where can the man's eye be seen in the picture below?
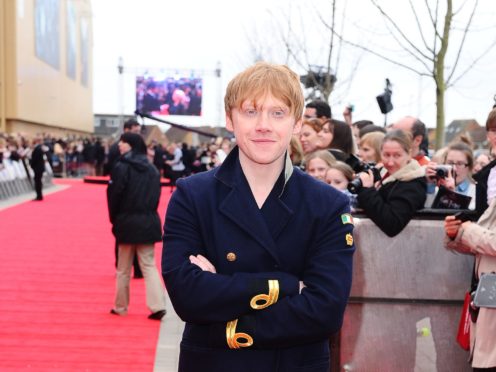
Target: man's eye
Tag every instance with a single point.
(250, 112)
(278, 114)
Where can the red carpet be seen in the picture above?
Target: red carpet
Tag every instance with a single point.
(57, 288)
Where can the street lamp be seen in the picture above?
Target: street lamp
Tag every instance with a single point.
(120, 70)
(120, 65)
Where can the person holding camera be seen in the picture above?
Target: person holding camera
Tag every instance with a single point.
(455, 174)
(392, 200)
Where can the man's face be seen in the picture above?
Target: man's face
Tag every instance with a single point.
(263, 133)
(406, 125)
(310, 113)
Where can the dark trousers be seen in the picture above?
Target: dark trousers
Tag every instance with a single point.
(492, 369)
(38, 185)
(137, 268)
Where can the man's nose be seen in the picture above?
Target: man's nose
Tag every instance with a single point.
(263, 122)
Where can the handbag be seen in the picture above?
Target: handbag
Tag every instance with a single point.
(463, 335)
(485, 295)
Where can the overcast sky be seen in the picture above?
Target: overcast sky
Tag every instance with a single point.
(194, 35)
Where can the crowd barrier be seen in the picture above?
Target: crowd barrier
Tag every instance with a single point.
(406, 300)
(17, 178)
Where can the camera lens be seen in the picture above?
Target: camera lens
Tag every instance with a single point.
(355, 185)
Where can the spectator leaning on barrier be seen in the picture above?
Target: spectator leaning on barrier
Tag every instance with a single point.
(392, 201)
(460, 160)
(133, 196)
(486, 177)
(257, 255)
(479, 239)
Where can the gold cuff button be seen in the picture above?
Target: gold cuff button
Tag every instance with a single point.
(231, 257)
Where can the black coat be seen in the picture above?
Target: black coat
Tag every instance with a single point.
(300, 233)
(112, 157)
(481, 187)
(37, 161)
(394, 204)
(133, 195)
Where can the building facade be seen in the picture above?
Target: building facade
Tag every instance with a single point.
(46, 67)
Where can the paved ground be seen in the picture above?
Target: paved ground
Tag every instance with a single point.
(171, 329)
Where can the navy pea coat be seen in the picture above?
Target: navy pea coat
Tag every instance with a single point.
(302, 233)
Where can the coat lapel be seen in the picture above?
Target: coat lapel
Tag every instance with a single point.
(240, 207)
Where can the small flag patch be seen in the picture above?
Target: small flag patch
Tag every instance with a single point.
(346, 218)
(349, 239)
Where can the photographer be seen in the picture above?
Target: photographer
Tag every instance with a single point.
(455, 174)
(392, 201)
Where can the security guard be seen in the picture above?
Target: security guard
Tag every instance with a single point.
(257, 255)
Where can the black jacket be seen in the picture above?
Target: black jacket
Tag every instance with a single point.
(112, 157)
(133, 195)
(37, 161)
(394, 204)
(481, 187)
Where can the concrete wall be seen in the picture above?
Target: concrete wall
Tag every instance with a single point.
(403, 285)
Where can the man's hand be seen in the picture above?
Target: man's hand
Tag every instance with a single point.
(202, 263)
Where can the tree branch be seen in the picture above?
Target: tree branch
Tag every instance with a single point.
(419, 27)
(465, 32)
(374, 53)
(396, 27)
(483, 54)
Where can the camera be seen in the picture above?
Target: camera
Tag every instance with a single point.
(355, 185)
(442, 171)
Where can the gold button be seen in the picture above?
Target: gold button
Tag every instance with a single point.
(231, 256)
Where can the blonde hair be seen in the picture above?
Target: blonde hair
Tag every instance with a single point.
(402, 137)
(345, 169)
(321, 154)
(260, 79)
(296, 151)
(374, 140)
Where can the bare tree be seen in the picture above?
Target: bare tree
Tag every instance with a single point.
(295, 49)
(429, 48)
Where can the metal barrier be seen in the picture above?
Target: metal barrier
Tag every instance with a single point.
(16, 179)
(406, 301)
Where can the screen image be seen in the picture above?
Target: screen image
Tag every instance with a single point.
(169, 96)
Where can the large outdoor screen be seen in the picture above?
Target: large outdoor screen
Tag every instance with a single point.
(169, 96)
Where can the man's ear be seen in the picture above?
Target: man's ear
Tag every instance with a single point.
(229, 123)
(297, 126)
